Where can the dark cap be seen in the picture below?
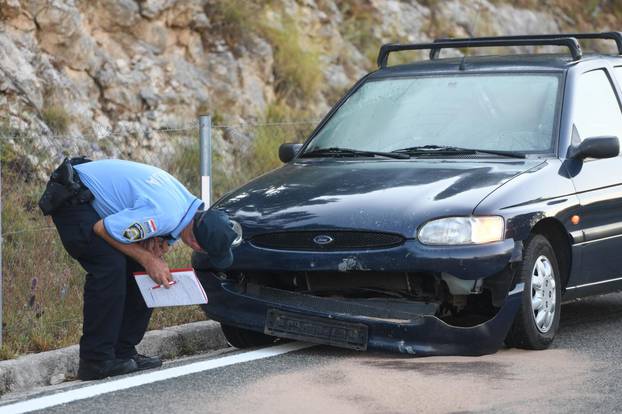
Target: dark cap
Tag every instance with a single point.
(214, 233)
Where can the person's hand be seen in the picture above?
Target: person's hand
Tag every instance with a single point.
(164, 246)
(158, 270)
(147, 245)
(156, 246)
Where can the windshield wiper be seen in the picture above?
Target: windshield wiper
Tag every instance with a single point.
(337, 152)
(447, 149)
(510, 154)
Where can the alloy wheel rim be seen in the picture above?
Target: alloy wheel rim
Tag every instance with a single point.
(543, 294)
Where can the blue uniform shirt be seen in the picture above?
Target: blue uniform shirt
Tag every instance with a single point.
(138, 201)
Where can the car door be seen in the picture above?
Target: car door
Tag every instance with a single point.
(596, 112)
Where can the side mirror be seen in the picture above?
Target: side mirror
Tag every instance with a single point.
(596, 147)
(287, 152)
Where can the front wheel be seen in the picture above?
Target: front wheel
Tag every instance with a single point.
(244, 338)
(537, 320)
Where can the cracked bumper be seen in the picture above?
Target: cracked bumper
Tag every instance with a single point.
(421, 334)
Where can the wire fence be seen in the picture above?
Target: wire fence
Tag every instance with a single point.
(42, 285)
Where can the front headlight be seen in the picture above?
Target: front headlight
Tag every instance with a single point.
(462, 230)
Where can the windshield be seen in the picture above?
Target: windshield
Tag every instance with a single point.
(503, 112)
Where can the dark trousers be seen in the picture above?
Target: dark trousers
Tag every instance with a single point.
(115, 314)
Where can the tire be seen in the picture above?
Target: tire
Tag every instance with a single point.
(243, 338)
(537, 320)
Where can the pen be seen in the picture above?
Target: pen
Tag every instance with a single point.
(159, 286)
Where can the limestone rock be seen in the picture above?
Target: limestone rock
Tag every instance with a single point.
(9, 9)
(19, 76)
(136, 66)
(61, 34)
(152, 8)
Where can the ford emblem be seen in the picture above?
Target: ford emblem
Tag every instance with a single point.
(323, 239)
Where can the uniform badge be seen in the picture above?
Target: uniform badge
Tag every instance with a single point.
(135, 232)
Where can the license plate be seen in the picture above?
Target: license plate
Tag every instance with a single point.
(315, 329)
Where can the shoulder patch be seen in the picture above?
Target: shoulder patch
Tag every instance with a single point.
(135, 232)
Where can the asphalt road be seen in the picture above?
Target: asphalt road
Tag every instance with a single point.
(580, 373)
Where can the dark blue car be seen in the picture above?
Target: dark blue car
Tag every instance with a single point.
(441, 207)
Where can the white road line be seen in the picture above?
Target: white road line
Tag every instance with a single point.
(147, 378)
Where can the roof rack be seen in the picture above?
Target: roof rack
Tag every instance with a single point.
(570, 42)
(615, 36)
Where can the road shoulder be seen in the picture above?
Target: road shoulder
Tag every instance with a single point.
(54, 367)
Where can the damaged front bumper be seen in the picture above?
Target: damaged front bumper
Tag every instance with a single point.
(383, 324)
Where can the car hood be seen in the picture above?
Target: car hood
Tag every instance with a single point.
(394, 196)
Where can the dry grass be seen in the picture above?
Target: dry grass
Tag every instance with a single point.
(359, 21)
(235, 20)
(297, 72)
(264, 155)
(185, 166)
(297, 69)
(278, 125)
(56, 118)
(40, 290)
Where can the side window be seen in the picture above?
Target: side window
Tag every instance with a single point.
(597, 111)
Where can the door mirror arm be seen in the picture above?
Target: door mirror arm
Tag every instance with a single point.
(288, 152)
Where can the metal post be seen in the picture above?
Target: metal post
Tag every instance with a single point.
(1, 240)
(205, 141)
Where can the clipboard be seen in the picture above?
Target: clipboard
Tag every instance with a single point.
(184, 290)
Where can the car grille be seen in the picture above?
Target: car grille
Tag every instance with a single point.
(332, 240)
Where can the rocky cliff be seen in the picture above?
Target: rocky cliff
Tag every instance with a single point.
(81, 68)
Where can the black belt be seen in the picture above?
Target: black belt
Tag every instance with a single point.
(65, 187)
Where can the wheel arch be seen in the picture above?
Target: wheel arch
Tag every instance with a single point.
(556, 234)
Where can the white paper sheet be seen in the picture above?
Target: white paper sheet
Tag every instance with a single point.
(187, 290)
